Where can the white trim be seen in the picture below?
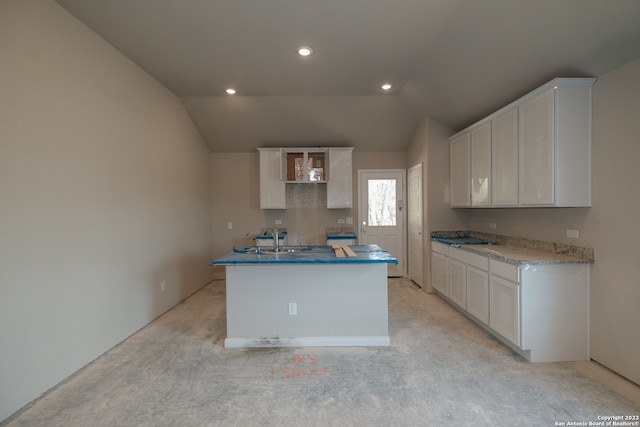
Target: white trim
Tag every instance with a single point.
(381, 341)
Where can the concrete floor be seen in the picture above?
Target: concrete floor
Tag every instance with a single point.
(441, 369)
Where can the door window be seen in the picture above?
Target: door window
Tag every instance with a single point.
(382, 202)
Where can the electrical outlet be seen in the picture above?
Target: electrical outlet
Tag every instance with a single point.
(349, 220)
(278, 222)
(492, 225)
(229, 225)
(573, 234)
(293, 309)
(341, 221)
(163, 286)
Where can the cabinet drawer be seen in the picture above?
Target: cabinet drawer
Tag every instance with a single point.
(440, 248)
(475, 260)
(503, 269)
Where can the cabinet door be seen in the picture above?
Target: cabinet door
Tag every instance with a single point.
(478, 294)
(460, 171)
(440, 273)
(537, 150)
(481, 165)
(273, 193)
(504, 306)
(504, 155)
(339, 181)
(458, 283)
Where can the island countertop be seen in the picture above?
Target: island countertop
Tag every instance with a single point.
(365, 254)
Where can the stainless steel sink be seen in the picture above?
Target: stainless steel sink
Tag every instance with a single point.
(284, 250)
(271, 251)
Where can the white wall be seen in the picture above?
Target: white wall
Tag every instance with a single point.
(104, 192)
(612, 223)
(430, 146)
(610, 226)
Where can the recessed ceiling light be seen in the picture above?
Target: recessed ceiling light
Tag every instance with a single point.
(386, 86)
(230, 91)
(305, 51)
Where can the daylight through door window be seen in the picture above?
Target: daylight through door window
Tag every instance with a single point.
(382, 202)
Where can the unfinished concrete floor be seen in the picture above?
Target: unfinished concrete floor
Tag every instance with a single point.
(441, 369)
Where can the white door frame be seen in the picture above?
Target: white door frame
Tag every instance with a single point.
(402, 213)
(415, 226)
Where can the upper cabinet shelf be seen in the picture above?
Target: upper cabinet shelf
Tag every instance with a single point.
(312, 165)
(302, 165)
(535, 152)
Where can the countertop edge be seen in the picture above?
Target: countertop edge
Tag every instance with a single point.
(301, 262)
(517, 261)
(541, 252)
(365, 254)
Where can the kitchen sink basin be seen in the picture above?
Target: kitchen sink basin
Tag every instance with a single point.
(284, 250)
(274, 251)
(271, 251)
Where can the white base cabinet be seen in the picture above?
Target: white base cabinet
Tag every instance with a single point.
(458, 283)
(541, 311)
(440, 268)
(469, 282)
(505, 308)
(478, 294)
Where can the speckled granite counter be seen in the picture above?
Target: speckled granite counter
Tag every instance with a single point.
(519, 255)
(516, 250)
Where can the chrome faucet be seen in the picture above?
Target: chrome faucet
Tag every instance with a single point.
(275, 233)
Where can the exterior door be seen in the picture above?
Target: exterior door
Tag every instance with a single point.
(414, 216)
(381, 213)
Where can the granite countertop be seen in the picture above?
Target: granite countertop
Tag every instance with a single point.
(515, 250)
(365, 254)
(521, 255)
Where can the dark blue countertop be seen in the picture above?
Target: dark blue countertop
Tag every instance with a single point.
(339, 236)
(365, 254)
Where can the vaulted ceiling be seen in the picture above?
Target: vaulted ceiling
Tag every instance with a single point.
(454, 61)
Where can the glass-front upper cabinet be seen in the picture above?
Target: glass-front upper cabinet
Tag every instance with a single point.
(305, 166)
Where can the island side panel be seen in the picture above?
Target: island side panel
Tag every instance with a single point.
(333, 301)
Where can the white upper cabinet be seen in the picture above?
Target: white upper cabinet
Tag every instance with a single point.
(280, 167)
(555, 146)
(539, 155)
(504, 154)
(339, 184)
(273, 193)
(460, 170)
(481, 165)
(536, 150)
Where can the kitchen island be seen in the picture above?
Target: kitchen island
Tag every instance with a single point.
(306, 296)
